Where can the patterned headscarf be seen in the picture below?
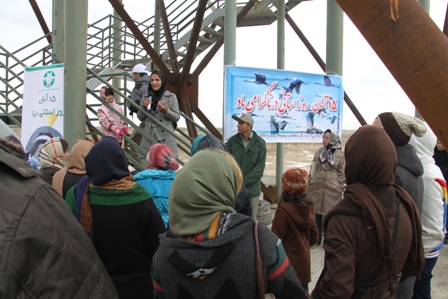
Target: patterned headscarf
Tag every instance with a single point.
(52, 154)
(162, 157)
(327, 155)
(205, 187)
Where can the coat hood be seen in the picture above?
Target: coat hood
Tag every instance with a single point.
(301, 214)
(424, 148)
(188, 257)
(408, 159)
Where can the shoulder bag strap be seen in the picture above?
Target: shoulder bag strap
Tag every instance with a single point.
(365, 287)
(258, 264)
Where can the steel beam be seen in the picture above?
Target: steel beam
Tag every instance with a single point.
(41, 19)
(322, 65)
(413, 49)
(141, 38)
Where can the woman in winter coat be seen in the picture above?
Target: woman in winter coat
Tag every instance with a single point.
(120, 218)
(326, 178)
(112, 124)
(209, 250)
(52, 158)
(294, 223)
(159, 176)
(162, 105)
(75, 170)
(374, 233)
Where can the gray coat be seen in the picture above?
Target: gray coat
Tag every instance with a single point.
(326, 183)
(408, 174)
(154, 129)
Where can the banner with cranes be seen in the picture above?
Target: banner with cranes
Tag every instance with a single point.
(43, 106)
(286, 106)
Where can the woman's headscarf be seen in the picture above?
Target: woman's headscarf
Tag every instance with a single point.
(205, 187)
(158, 94)
(161, 157)
(106, 161)
(206, 141)
(52, 154)
(370, 157)
(76, 161)
(327, 155)
(76, 164)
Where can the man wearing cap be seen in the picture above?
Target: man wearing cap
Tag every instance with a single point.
(249, 150)
(141, 79)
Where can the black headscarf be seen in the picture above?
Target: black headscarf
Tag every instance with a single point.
(106, 161)
(159, 93)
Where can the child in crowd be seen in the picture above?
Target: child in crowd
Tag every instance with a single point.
(112, 124)
(159, 176)
(295, 224)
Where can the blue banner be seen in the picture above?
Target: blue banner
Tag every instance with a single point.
(286, 106)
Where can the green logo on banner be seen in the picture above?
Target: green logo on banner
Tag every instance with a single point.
(49, 79)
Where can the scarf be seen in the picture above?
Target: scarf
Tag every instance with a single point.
(52, 154)
(75, 165)
(327, 154)
(158, 94)
(106, 162)
(205, 187)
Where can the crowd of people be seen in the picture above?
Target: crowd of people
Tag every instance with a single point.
(378, 208)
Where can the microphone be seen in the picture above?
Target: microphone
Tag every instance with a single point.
(149, 96)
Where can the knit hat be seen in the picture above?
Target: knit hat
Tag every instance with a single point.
(400, 127)
(160, 156)
(295, 181)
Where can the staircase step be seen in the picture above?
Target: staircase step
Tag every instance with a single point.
(211, 31)
(204, 40)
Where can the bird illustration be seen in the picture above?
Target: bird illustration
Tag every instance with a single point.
(259, 79)
(327, 82)
(277, 126)
(293, 86)
(285, 116)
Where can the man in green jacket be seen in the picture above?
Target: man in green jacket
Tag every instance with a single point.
(249, 150)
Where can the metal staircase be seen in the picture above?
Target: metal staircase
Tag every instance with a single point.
(107, 34)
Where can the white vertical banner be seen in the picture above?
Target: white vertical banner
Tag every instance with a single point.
(43, 108)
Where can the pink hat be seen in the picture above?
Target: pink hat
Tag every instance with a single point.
(160, 156)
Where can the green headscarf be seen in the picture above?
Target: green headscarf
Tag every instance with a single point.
(203, 188)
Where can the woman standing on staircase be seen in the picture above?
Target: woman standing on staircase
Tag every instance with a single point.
(163, 106)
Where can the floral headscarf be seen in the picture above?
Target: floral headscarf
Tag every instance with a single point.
(327, 155)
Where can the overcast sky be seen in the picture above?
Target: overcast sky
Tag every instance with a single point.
(366, 80)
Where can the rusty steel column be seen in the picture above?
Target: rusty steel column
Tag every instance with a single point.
(413, 49)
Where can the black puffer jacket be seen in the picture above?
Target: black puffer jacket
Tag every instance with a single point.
(44, 252)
